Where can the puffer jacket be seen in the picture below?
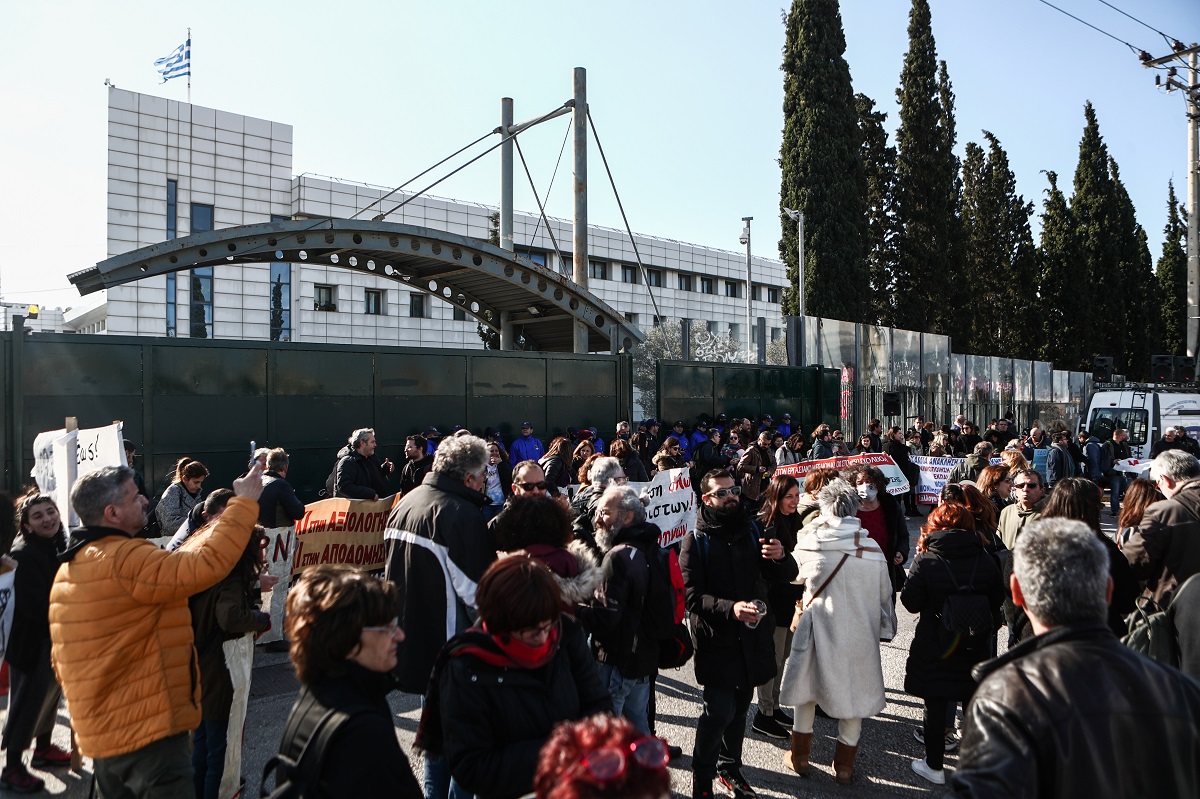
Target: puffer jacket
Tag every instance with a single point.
(1073, 713)
(121, 631)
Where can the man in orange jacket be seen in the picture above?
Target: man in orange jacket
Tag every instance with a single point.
(121, 632)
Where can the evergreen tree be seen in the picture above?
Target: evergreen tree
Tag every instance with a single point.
(926, 179)
(1140, 315)
(1172, 279)
(1095, 217)
(879, 161)
(277, 309)
(955, 293)
(822, 167)
(1061, 276)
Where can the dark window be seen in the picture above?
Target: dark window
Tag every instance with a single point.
(416, 306)
(172, 208)
(460, 315)
(324, 298)
(200, 324)
(598, 270)
(374, 305)
(202, 217)
(171, 308)
(711, 327)
(731, 288)
(685, 282)
(632, 318)
(654, 278)
(706, 286)
(658, 320)
(629, 274)
(733, 331)
(772, 295)
(776, 333)
(756, 293)
(536, 257)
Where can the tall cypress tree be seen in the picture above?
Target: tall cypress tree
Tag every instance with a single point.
(1062, 276)
(1140, 315)
(926, 174)
(1094, 213)
(1171, 277)
(879, 161)
(822, 167)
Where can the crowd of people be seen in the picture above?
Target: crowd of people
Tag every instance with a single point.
(528, 601)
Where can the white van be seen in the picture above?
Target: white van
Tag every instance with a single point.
(1144, 410)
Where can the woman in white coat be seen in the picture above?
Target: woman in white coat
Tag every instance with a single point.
(846, 611)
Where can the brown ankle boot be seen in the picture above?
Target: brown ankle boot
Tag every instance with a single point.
(843, 763)
(796, 758)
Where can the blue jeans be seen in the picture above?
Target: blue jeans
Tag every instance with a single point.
(208, 758)
(1116, 491)
(630, 698)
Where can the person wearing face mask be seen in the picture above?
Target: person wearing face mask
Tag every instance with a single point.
(727, 563)
(881, 517)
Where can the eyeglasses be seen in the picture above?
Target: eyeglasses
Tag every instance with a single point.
(540, 631)
(391, 628)
(539, 486)
(1027, 485)
(721, 493)
(609, 763)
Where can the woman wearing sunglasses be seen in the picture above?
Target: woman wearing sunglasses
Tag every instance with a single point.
(602, 756)
(499, 689)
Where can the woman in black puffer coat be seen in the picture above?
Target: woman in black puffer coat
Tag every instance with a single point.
(938, 670)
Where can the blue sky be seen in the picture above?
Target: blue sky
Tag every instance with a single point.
(687, 100)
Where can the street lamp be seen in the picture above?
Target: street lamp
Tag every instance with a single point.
(798, 218)
(745, 239)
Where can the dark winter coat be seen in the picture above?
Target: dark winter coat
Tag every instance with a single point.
(1073, 714)
(722, 564)
(557, 470)
(495, 719)
(782, 597)
(358, 477)
(363, 758)
(1165, 549)
(935, 670)
(708, 458)
(413, 473)
(584, 507)
(969, 469)
(898, 540)
(224, 612)
(821, 449)
(278, 505)
(1059, 464)
(634, 470)
(37, 563)
(621, 635)
(438, 547)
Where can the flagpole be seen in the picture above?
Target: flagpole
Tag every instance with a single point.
(189, 40)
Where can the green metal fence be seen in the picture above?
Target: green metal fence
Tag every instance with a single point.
(688, 389)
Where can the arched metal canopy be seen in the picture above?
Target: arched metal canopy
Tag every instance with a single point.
(489, 283)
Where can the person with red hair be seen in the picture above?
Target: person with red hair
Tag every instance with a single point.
(601, 756)
(951, 561)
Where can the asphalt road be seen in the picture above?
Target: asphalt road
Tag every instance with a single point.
(883, 768)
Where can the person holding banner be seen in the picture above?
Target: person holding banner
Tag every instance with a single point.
(34, 692)
(899, 452)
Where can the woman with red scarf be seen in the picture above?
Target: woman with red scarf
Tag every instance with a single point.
(499, 689)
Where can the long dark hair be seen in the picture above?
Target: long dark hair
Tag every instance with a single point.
(776, 491)
(26, 503)
(1074, 498)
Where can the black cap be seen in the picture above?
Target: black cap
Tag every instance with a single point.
(526, 424)
(432, 432)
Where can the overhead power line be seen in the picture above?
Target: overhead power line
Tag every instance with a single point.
(1093, 27)
(1138, 21)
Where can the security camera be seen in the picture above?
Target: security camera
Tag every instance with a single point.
(743, 239)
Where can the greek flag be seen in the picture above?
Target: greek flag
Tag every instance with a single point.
(177, 64)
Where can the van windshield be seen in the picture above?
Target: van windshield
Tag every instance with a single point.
(1105, 420)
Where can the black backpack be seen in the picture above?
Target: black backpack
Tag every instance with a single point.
(967, 621)
(299, 777)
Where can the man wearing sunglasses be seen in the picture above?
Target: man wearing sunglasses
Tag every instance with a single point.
(726, 565)
(1030, 495)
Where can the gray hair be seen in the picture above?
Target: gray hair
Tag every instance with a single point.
(278, 459)
(605, 470)
(95, 491)
(360, 435)
(628, 501)
(839, 499)
(459, 456)
(1063, 571)
(1177, 464)
(983, 448)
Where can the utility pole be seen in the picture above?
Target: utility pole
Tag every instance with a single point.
(507, 340)
(579, 247)
(1191, 92)
(745, 239)
(798, 218)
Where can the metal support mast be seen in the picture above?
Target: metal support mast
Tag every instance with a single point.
(507, 341)
(579, 249)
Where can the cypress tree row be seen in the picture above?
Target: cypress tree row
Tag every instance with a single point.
(1063, 278)
(1171, 279)
(822, 167)
(1139, 315)
(879, 161)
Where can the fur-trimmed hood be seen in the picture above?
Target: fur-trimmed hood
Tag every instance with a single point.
(582, 587)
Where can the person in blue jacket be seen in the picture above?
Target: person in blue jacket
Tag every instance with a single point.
(526, 447)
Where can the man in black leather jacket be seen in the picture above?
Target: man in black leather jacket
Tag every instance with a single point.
(1072, 712)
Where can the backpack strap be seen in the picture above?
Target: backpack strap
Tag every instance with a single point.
(305, 766)
(825, 584)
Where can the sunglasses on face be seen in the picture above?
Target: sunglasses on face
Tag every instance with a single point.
(721, 493)
(539, 486)
(609, 763)
(1027, 485)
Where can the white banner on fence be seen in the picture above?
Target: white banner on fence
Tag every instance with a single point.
(897, 482)
(61, 457)
(671, 505)
(7, 604)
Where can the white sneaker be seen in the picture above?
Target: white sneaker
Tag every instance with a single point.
(936, 776)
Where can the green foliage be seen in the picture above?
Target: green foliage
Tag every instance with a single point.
(879, 162)
(277, 309)
(1139, 314)
(1063, 279)
(822, 168)
(1171, 278)
(664, 342)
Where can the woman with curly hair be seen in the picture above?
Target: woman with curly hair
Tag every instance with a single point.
(582, 452)
(539, 526)
(600, 757)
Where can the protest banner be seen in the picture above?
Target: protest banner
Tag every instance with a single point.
(7, 605)
(343, 532)
(897, 482)
(934, 474)
(1134, 466)
(278, 551)
(671, 504)
(60, 457)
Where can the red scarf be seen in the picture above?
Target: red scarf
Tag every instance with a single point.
(510, 652)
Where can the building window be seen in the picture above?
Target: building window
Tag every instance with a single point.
(685, 282)
(711, 327)
(202, 217)
(776, 333)
(460, 315)
(536, 257)
(281, 301)
(324, 298)
(772, 295)
(629, 274)
(632, 318)
(172, 208)
(756, 293)
(734, 330)
(731, 288)
(654, 278)
(374, 305)
(416, 305)
(172, 290)
(201, 303)
(658, 320)
(598, 270)
(707, 286)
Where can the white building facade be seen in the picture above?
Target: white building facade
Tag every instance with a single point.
(175, 169)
